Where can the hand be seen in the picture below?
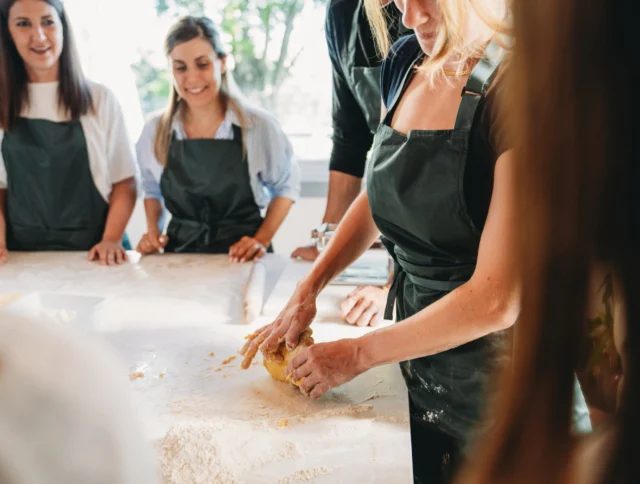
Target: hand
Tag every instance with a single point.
(294, 319)
(109, 253)
(365, 306)
(4, 254)
(246, 249)
(152, 243)
(308, 253)
(324, 366)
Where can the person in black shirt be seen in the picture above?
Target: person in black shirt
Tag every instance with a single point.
(356, 101)
(356, 114)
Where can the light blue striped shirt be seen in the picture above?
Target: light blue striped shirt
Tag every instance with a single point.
(272, 168)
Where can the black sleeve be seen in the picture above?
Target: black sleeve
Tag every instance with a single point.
(352, 138)
(485, 147)
(401, 58)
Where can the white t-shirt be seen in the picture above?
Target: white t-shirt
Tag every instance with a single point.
(111, 153)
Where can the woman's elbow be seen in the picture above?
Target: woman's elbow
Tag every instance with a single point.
(502, 306)
(127, 187)
(507, 313)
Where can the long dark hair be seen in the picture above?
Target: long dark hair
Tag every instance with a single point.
(573, 109)
(185, 30)
(73, 92)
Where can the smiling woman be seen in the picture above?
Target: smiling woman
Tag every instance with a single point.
(210, 159)
(66, 165)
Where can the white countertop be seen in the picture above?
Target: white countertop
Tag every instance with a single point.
(165, 316)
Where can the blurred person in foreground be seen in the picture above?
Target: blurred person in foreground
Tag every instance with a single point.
(66, 413)
(573, 108)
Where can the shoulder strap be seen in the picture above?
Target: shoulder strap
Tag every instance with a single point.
(476, 88)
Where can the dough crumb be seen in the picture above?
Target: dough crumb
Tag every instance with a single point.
(135, 375)
(283, 423)
(212, 354)
(229, 360)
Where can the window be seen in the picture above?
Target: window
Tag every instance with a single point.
(277, 51)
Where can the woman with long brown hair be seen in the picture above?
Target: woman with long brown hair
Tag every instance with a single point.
(573, 108)
(213, 161)
(67, 167)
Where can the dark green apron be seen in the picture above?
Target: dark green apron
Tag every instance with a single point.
(415, 188)
(52, 201)
(365, 81)
(207, 189)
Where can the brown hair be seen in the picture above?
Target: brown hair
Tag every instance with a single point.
(186, 29)
(451, 34)
(73, 92)
(573, 107)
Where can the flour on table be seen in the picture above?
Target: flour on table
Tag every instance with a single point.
(218, 451)
(305, 475)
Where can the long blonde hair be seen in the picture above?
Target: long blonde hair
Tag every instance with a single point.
(451, 40)
(186, 29)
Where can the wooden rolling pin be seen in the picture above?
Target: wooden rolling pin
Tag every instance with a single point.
(254, 292)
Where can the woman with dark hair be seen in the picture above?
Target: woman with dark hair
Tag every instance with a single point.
(573, 109)
(67, 168)
(210, 159)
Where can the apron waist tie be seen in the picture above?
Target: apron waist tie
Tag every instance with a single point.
(393, 291)
(399, 275)
(202, 229)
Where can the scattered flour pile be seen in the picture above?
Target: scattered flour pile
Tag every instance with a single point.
(217, 452)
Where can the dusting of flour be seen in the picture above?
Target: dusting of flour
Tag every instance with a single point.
(218, 451)
(305, 475)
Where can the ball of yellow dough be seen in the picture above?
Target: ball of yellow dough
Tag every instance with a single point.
(278, 368)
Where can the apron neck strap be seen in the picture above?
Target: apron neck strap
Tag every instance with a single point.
(476, 88)
(237, 132)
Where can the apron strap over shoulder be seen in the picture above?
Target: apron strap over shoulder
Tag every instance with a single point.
(476, 88)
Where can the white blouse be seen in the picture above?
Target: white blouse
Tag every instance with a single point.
(111, 154)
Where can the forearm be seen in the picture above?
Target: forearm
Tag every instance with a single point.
(276, 213)
(3, 222)
(154, 210)
(354, 236)
(474, 310)
(343, 190)
(123, 200)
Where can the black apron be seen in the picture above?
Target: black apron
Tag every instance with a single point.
(416, 193)
(365, 80)
(52, 201)
(207, 189)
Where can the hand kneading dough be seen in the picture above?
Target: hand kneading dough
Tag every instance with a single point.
(278, 369)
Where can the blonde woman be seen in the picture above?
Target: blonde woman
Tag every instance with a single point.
(439, 190)
(211, 161)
